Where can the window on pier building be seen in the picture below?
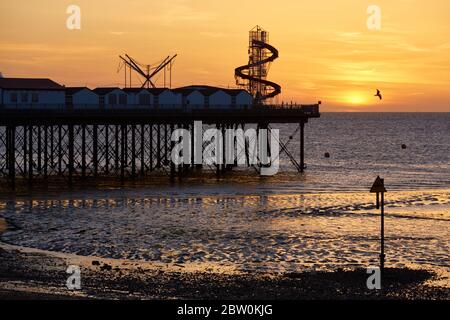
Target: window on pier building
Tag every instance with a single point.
(122, 99)
(13, 97)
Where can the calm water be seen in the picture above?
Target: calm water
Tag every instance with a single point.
(322, 219)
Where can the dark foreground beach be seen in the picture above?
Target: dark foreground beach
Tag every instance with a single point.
(26, 274)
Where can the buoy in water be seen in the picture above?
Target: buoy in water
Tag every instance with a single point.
(327, 155)
(403, 146)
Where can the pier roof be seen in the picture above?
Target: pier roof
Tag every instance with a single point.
(29, 84)
(73, 90)
(103, 91)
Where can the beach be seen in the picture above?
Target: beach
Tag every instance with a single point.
(32, 267)
(31, 274)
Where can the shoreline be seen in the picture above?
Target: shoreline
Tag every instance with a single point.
(36, 274)
(56, 185)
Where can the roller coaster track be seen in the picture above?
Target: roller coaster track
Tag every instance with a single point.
(239, 72)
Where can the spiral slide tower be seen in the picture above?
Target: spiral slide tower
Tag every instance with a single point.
(253, 76)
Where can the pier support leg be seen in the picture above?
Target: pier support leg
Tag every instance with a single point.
(52, 148)
(107, 149)
(83, 151)
(30, 155)
(151, 147)
(217, 165)
(192, 146)
(302, 147)
(198, 166)
(123, 155)
(180, 166)
(116, 149)
(158, 146)
(71, 154)
(142, 150)
(172, 164)
(95, 149)
(224, 166)
(11, 154)
(39, 149)
(46, 152)
(25, 136)
(59, 149)
(166, 144)
(133, 151)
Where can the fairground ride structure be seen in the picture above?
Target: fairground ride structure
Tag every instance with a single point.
(253, 76)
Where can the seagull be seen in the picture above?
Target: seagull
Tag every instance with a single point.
(379, 94)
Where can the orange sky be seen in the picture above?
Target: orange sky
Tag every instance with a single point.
(326, 51)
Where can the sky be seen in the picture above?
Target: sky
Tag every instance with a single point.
(327, 51)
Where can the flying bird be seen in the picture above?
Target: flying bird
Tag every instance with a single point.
(379, 94)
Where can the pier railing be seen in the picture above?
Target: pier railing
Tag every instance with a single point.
(310, 109)
(141, 115)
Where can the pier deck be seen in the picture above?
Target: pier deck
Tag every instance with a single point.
(271, 114)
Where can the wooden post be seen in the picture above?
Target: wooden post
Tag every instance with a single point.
(379, 188)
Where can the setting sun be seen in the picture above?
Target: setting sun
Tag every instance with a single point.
(356, 99)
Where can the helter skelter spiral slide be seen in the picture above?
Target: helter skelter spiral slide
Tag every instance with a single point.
(253, 76)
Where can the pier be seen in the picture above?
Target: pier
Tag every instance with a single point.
(36, 144)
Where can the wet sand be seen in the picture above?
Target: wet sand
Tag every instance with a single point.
(35, 274)
(2, 225)
(27, 273)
